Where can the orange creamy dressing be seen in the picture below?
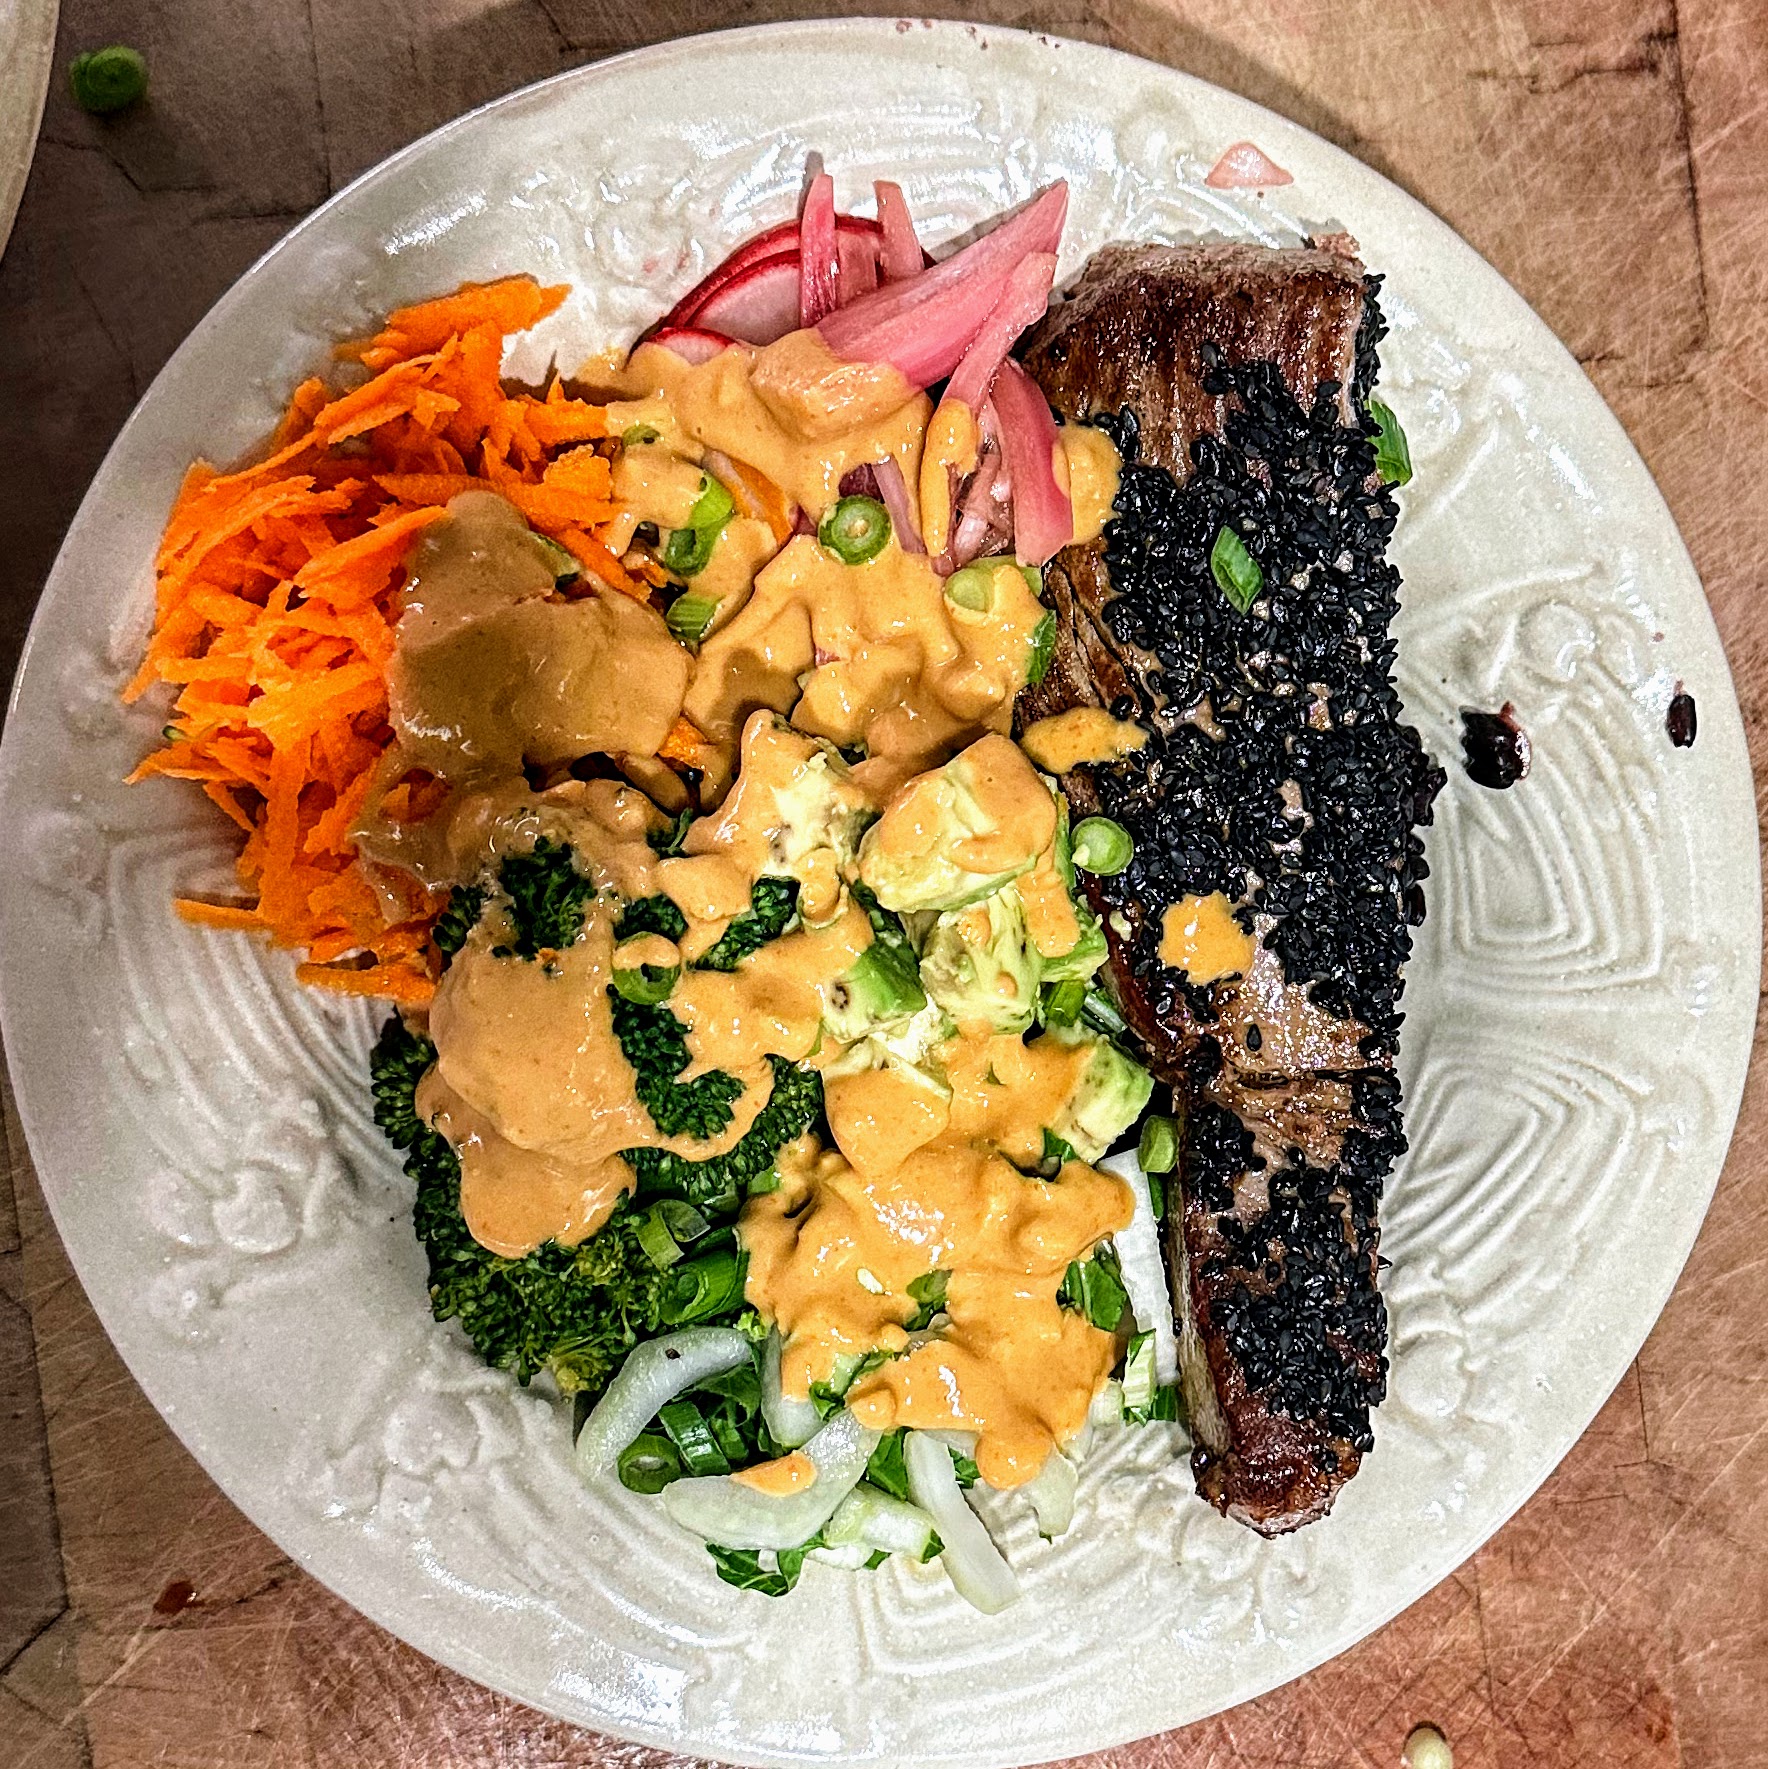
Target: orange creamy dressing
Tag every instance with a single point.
(783, 1475)
(1082, 734)
(874, 654)
(1200, 936)
(1087, 467)
(491, 668)
(833, 1251)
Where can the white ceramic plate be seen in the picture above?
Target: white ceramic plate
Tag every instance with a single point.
(27, 51)
(1580, 1006)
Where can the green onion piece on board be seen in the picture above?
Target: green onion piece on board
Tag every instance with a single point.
(1043, 649)
(648, 1464)
(1236, 572)
(1393, 456)
(1062, 1002)
(855, 530)
(693, 1438)
(1101, 846)
(689, 616)
(971, 587)
(105, 81)
(1158, 1151)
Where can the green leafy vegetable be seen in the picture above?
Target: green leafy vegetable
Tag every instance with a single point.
(1061, 1003)
(742, 1567)
(1393, 455)
(772, 904)
(1056, 1151)
(1238, 575)
(966, 1470)
(667, 843)
(1043, 649)
(928, 1293)
(886, 1470)
(1094, 1287)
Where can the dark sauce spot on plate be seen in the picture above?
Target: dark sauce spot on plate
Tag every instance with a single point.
(1494, 747)
(1680, 720)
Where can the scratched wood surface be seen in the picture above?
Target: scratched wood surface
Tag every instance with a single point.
(1611, 157)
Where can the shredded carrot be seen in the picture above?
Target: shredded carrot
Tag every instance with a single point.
(279, 587)
(687, 746)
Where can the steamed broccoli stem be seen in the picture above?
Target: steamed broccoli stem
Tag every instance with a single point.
(655, 1043)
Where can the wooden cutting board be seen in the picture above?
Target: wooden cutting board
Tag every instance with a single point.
(1611, 157)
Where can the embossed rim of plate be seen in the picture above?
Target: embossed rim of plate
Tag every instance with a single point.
(105, 563)
(25, 65)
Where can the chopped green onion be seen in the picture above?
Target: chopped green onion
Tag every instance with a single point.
(714, 507)
(656, 1242)
(1062, 1002)
(645, 984)
(1101, 846)
(693, 1438)
(1056, 1150)
(1138, 1377)
(1156, 1195)
(687, 550)
(972, 587)
(108, 80)
(562, 560)
(1043, 649)
(928, 1292)
(855, 530)
(1393, 456)
(704, 1287)
(648, 1464)
(1158, 1150)
(634, 434)
(1101, 1014)
(1094, 1288)
(689, 616)
(1238, 575)
(730, 1436)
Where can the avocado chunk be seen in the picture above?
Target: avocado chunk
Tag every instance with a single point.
(1110, 1094)
(980, 966)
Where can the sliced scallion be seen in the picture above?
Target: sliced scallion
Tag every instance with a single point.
(704, 1287)
(1238, 575)
(1101, 846)
(1393, 455)
(659, 1246)
(686, 551)
(1062, 1002)
(693, 1438)
(689, 616)
(1158, 1151)
(648, 1463)
(646, 984)
(855, 530)
(562, 561)
(635, 434)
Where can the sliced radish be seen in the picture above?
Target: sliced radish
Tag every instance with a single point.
(759, 304)
(770, 243)
(1043, 517)
(900, 254)
(693, 344)
(923, 324)
(819, 269)
(1246, 166)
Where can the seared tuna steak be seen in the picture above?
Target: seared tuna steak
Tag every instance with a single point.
(1234, 380)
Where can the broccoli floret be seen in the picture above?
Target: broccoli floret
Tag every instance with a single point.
(655, 1042)
(547, 896)
(575, 1311)
(718, 1184)
(651, 915)
(465, 905)
(772, 904)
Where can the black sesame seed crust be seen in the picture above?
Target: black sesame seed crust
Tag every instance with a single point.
(1279, 772)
